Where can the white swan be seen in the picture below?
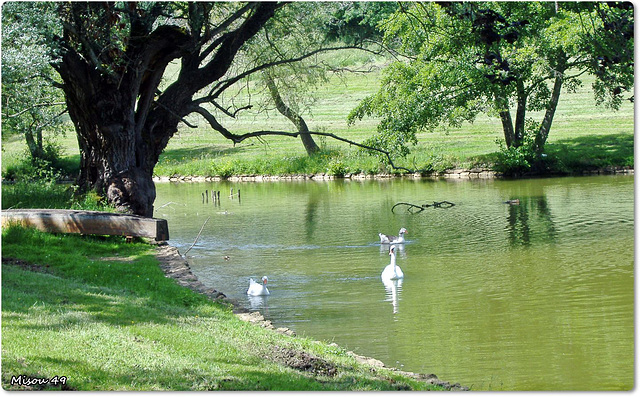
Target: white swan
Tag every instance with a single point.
(399, 239)
(257, 289)
(392, 271)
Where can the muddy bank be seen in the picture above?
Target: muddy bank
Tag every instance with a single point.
(177, 268)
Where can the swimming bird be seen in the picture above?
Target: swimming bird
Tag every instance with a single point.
(392, 271)
(385, 239)
(257, 289)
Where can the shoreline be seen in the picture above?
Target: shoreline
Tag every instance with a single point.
(176, 267)
(458, 173)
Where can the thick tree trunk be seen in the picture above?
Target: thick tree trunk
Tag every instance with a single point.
(113, 161)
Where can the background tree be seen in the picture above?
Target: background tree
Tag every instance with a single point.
(31, 104)
(503, 58)
(291, 86)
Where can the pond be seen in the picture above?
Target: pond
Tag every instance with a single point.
(532, 296)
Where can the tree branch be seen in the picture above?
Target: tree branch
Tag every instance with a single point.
(217, 89)
(235, 138)
(37, 105)
(223, 26)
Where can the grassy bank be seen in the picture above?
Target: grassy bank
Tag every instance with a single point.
(101, 314)
(583, 137)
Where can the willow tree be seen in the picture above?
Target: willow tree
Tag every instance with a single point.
(113, 58)
(505, 59)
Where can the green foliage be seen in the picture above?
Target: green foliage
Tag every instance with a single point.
(514, 161)
(611, 49)
(31, 104)
(48, 194)
(355, 22)
(519, 160)
(463, 59)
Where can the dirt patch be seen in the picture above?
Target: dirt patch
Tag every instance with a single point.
(32, 267)
(303, 361)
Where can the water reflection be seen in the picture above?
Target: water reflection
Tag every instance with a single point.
(310, 216)
(384, 249)
(259, 303)
(393, 289)
(528, 220)
(544, 288)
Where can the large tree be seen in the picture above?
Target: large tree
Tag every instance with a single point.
(113, 57)
(501, 58)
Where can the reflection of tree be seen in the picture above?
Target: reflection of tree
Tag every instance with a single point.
(310, 215)
(531, 219)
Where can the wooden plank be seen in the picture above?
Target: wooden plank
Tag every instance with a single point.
(88, 222)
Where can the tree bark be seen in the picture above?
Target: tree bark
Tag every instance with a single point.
(521, 110)
(34, 144)
(307, 140)
(507, 121)
(545, 127)
(122, 121)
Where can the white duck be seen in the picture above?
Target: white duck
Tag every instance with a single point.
(399, 239)
(257, 289)
(392, 271)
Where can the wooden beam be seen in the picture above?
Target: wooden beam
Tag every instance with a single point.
(88, 222)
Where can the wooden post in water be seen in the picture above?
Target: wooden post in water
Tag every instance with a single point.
(206, 194)
(202, 198)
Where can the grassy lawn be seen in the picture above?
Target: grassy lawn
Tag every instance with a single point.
(102, 314)
(582, 136)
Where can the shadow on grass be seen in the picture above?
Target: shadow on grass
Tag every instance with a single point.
(584, 153)
(593, 151)
(204, 152)
(115, 292)
(31, 292)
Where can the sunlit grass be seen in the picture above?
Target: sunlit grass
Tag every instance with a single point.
(101, 313)
(202, 151)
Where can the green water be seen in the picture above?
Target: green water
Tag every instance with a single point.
(535, 296)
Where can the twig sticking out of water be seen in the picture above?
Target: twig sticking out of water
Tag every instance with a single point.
(197, 237)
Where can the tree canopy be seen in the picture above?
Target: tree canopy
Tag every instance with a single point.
(112, 60)
(500, 58)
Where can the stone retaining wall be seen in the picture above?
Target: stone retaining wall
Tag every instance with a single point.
(474, 173)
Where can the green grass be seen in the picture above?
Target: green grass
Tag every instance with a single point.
(203, 152)
(101, 313)
(47, 194)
